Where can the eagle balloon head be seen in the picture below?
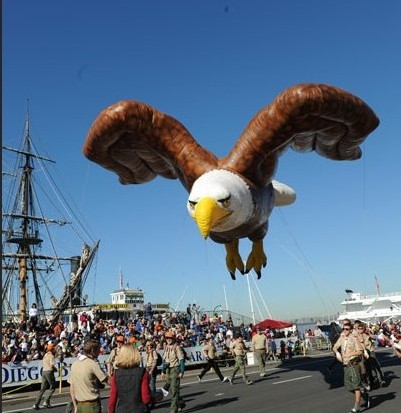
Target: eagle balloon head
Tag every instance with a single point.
(219, 201)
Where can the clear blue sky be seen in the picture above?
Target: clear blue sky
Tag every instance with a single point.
(212, 65)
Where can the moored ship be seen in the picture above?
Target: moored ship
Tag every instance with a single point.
(371, 308)
(37, 264)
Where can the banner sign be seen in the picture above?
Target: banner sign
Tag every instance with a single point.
(24, 373)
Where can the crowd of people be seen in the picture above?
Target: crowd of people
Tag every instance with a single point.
(89, 334)
(27, 340)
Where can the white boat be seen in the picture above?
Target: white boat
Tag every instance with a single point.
(372, 308)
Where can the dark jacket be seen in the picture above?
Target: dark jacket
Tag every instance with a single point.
(129, 391)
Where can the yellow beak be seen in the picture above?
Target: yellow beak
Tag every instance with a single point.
(208, 214)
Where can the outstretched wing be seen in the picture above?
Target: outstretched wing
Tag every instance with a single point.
(138, 142)
(306, 117)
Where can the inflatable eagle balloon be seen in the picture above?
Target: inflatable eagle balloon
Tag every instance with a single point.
(232, 197)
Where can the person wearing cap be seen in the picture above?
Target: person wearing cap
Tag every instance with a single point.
(173, 368)
(370, 361)
(259, 348)
(111, 361)
(349, 351)
(48, 385)
(209, 351)
(132, 340)
(86, 379)
(151, 356)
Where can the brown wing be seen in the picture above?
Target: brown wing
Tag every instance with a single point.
(138, 142)
(305, 117)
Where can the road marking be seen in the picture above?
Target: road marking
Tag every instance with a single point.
(297, 378)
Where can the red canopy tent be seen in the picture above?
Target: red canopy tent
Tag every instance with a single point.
(272, 324)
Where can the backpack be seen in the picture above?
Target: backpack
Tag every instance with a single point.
(159, 360)
(186, 357)
(334, 334)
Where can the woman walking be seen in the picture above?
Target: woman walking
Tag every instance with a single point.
(129, 386)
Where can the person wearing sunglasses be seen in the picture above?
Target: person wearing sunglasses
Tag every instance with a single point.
(111, 361)
(349, 351)
(370, 362)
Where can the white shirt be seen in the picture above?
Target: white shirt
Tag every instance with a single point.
(33, 312)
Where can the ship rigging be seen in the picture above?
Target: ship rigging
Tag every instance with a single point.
(35, 267)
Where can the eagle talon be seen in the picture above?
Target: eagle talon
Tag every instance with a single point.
(233, 259)
(257, 259)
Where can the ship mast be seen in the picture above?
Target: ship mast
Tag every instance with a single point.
(22, 231)
(27, 235)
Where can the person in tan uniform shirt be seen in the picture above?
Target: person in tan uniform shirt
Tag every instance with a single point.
(111, 361)
(151, 366)
(358, 333)
(48, 379)
(259, 348)
(351, 356)
(86, 380)
(209, 351)
(173, 369)
(370, 362)
(239, 350)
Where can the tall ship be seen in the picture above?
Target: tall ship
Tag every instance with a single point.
(47, 253)
(371, 308)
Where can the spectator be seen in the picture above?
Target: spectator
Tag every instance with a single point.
(149, 311)
(33, 316)
(271, 348)
(317, 332)
(282, 350)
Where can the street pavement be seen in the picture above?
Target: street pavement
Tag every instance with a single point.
(300, 385)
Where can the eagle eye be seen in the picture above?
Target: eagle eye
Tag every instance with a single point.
(192, 204)
(225, 201)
